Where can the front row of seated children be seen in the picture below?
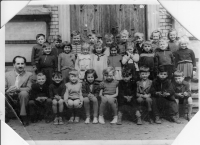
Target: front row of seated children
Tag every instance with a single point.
(125, 95)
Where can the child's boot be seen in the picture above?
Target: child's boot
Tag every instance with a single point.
(119, 121)
(95, 120)
(77, 119)
(175, 119)
(71, 119)
(138, 115)
(60, 121)
(55, 122)
(87, 121)
(189, 112)
(158, 121)
(114, 121)
(101, 120)
(150, 117)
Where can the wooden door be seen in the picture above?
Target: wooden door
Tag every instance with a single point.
(107, 18)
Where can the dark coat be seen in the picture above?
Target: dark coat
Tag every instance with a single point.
(147, 59)
(126, 89)
(39, 91)
(57, 89)
(181, 88)
(86, 89)
(162, 86)
(143, 89)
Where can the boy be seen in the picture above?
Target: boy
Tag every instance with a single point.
(76, 43)
(182, 91)
(163, 94)
(47, 63)
(126, 97)
(139, 38)
(143, 91)
(57, 47)
(37, 50)
(109, 38)
(56, 92)
(39, 101)
(164, 57)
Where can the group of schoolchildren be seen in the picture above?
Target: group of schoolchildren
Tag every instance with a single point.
(126, 73)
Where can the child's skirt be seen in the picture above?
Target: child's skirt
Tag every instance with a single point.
(118, 73)
(186, 68)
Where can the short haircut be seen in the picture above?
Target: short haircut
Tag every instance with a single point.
(75, 33)
(66, 43)
(162, 40)
(108, 70)
(46, 44)
(144, 69)
(162, 69)
(85, 46)
(57, 74)
(147, 43)
(40, 74)
(91, 71)
(172, 30)
(109, 37)
(156, 31)
(57, 38)
(184, 39)
(14, 59)
(73, 72)
(178, 73)
(39, 35)
(126, 72)
(124, 32)
(138, 35)
(114, 45)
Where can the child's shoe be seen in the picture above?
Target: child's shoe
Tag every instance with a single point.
(158, 121)
(77, 119)
(114, 121)
(175, 119)
(139, 121)
(87, 121)
(71, 119)
(60, 121)
(55, 122)
(101, 120)
(95, 120)
(119, 121)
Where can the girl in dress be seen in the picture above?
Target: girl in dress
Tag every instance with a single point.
(185, 59)
(109, 39)
(99, 61)
(156, 35)
(115, 61)
(130, 59)
(83, 61)
(173, 40)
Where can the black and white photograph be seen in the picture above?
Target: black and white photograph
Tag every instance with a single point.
(99, 72)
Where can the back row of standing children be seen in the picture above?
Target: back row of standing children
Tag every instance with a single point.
(155, 54)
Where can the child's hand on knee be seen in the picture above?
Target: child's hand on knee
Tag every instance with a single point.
(186, 94)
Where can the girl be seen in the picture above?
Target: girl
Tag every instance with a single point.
(147, 58)
(156, 35)
(108, 93)
(124, 35)
(83, 61)
(109, 39)
(90, 90)
(114, 60)
(93, 41)
(76, 42)
(66, 61)
(185, 59)
(173, 40)
(73, 96)
(139, 39)
(99, 61)
(130, 59)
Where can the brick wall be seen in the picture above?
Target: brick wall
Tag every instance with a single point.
(54, 23)
(165, 21)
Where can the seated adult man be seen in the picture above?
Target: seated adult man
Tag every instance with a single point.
(18, 84)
